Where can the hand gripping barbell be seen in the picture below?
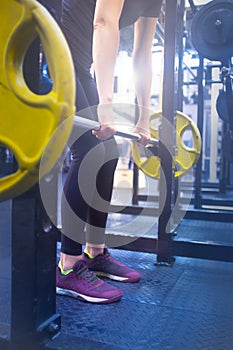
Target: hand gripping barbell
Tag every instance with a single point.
(28, 120)
(149, 162)
(85, 123)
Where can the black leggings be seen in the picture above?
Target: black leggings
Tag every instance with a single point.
(87, 193)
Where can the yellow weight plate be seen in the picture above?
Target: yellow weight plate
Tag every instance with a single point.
(185, 156)
(27, 119)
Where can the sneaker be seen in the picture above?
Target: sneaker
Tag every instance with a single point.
(104, 265)
(82, 284)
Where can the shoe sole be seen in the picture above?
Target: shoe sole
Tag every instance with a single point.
(116, 278)
(83, 297)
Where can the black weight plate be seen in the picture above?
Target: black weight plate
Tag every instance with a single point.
(227, 147)
(229, 101)
(221, 106)
(212, 30)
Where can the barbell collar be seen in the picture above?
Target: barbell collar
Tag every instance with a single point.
(88, 124)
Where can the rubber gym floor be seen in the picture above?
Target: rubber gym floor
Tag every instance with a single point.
(188, 306)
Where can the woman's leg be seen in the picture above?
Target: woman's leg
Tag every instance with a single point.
(98, 211)
(87, 192)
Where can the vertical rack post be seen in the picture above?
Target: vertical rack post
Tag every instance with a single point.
(33, 297)
(166, 136)
(200, 121)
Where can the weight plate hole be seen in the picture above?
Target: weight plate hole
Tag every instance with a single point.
(8, 163)
(36, 71)
(187, 138)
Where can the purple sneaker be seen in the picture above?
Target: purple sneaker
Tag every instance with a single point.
(104, 265)
(84, 285)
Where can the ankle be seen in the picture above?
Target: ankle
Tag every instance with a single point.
(68, 261)
(93, 251)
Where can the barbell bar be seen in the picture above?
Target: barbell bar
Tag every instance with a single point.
(85, 123)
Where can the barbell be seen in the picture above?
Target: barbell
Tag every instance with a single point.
(146, 158)
(29, 120)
